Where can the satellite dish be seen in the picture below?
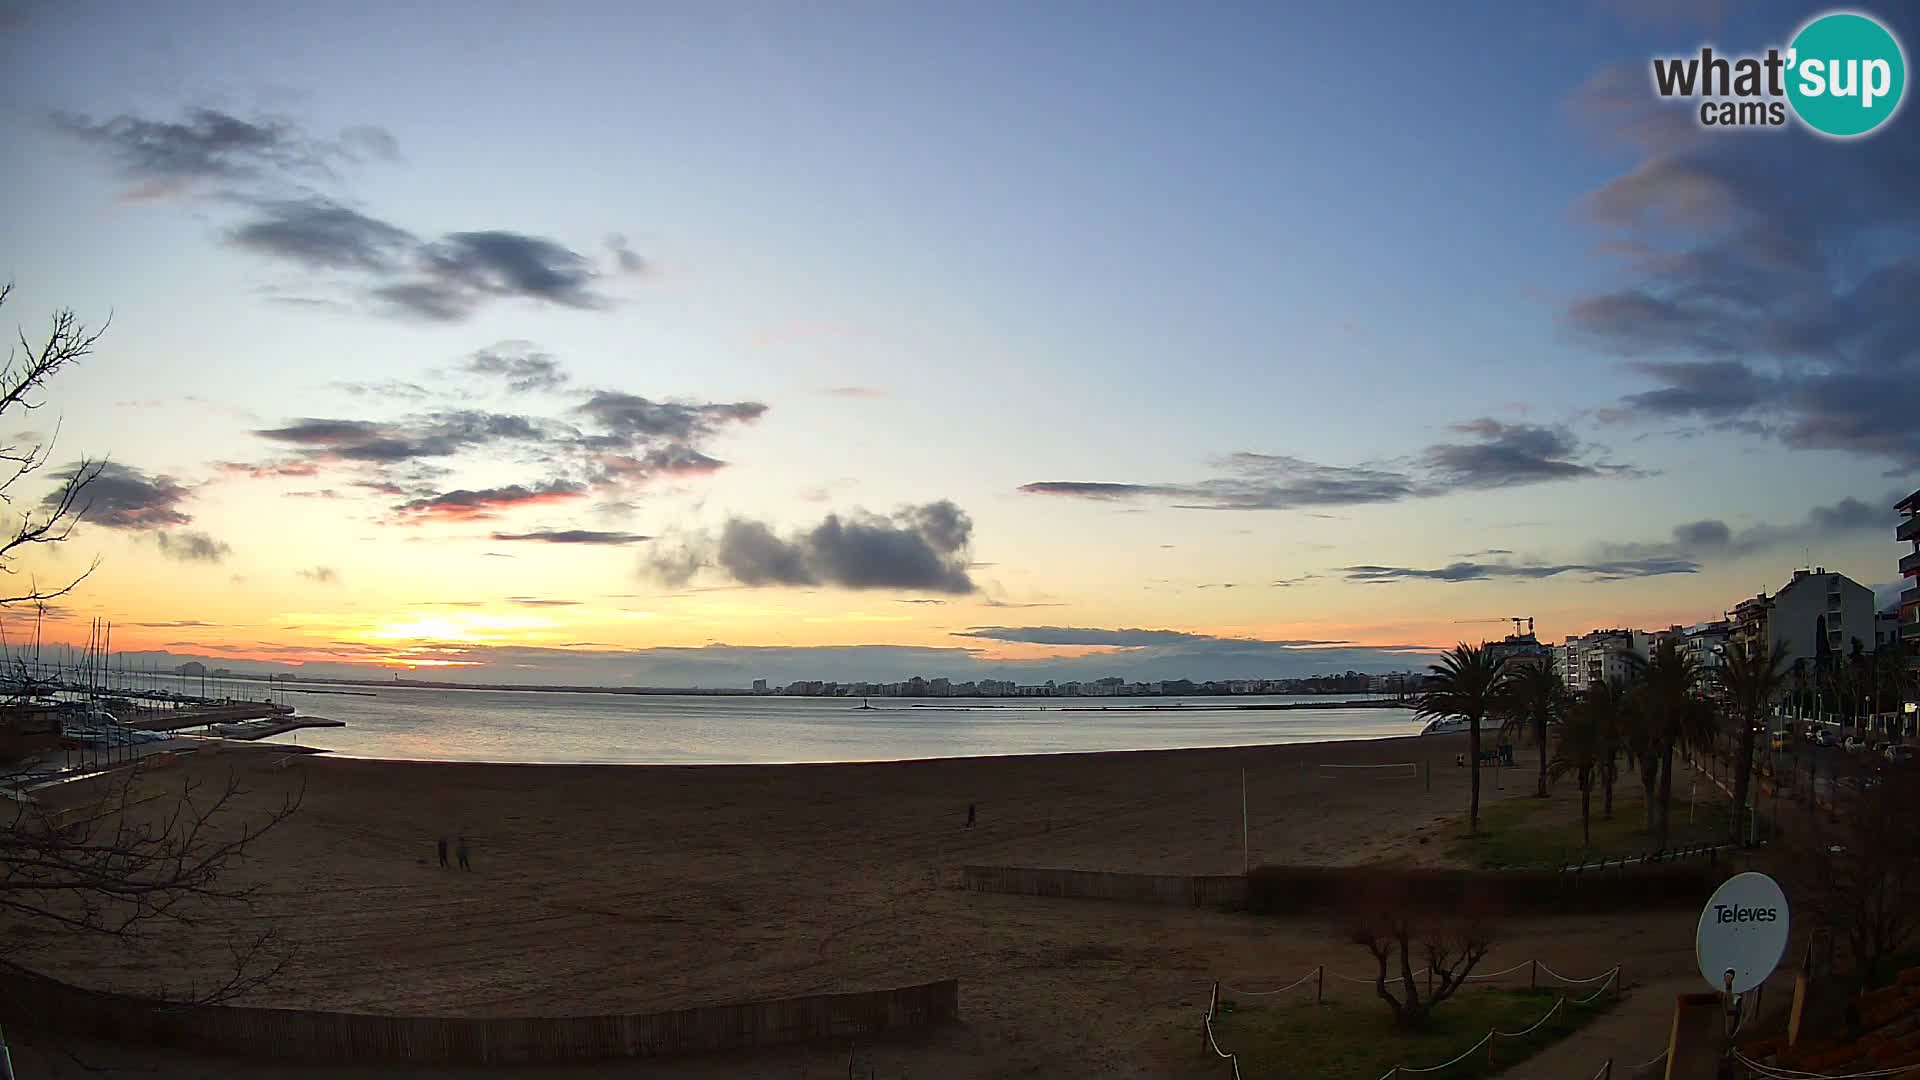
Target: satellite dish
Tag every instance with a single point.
(1742, 933)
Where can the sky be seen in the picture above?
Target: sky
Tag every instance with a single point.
(690, 344)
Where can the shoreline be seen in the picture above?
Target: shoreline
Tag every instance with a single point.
(321, 753)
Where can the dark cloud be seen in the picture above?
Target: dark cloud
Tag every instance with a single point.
(921, 548)
(523, 367)
(1129, 638)
(267, 167)
(432, 435)
(453, 276)
(468, 505)
(321, 575)
(1508, 455)
(176, 624)
(541, 601)
(1475, 571)
(628, 418)
(210, 145)
(1767, 283)
(122, 497)
(192, 546)
(320, 234)
(574, 536)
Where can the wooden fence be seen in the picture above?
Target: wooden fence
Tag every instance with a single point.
(37, 1001)
(1171, 889)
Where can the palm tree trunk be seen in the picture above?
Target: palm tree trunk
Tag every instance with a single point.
(1586, 810)
(1666, 794)
(1540, 741)
(1650, 783)
(1742, 777)
(1473, 759)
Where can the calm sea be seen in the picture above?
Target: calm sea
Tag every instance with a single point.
(494, 725)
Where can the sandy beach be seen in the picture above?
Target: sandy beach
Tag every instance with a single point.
(631, 888)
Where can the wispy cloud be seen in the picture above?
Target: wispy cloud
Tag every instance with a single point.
(1618, 570)
(1499, 455)
(192, 545)
(320, 575)
(466, 504)
(574, 536)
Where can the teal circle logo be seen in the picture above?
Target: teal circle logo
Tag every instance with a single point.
(1846, 75)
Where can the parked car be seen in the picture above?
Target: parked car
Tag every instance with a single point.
(1853, 744)
(1779, 741)
(1821, 738)
(1899, 755)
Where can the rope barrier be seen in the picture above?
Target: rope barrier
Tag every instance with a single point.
(1368, 979)
(1536, 1023)
(1484, 1040)
(1206, 1023)
(1535, 1026)
(1775, 1072)
(1654, 1060)
(1270, 993)
(1578, 982)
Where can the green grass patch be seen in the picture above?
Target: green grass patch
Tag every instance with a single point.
(1354, 1039)
(1522, 833)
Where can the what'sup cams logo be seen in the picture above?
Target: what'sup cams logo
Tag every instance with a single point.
(1843, 76)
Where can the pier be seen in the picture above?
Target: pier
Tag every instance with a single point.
(267, 727)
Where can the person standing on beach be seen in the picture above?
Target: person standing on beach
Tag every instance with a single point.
(443, 851)
(970, 815)
(462, 852)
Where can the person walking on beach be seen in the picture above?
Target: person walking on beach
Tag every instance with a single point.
(443, 851)
(970, 815)
(462, 852)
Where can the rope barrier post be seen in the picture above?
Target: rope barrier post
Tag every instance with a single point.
(1533, 976)
(1320, 984)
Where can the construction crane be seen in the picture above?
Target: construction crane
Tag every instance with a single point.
(1516, 620)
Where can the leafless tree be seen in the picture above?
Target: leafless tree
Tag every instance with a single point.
(30, 363)
(117, 853)
(1401, 930)
(1860, 875)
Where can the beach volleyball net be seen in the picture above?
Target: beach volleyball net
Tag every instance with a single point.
(1393, 770)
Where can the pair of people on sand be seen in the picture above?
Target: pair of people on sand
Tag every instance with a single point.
(462, 852)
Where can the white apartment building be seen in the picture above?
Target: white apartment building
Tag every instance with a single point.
(1818, 605)
(1600, 656)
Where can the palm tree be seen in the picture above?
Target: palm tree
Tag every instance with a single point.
(1584, 742)
(1468, 683)
(1674, 716)
(1610, 706)
(1535, 698)
(1752, 684)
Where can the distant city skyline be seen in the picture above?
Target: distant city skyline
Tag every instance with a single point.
(695, 344)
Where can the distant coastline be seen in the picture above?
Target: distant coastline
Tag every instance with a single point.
(295, 684)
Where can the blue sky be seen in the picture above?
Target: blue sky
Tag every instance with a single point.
(974, 258)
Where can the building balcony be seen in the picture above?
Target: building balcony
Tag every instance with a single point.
(1910, 565)
(1909, 529)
